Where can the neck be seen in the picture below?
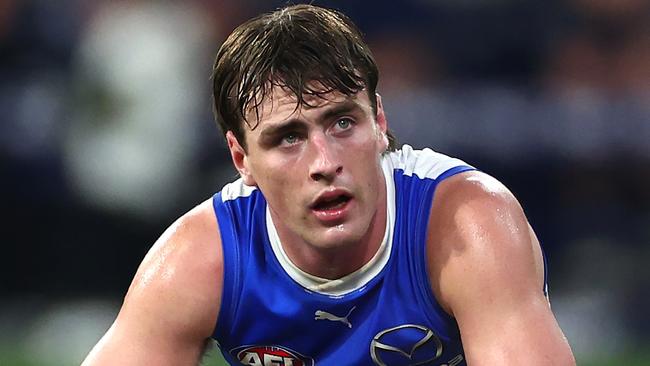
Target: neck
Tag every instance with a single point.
(334, 263)
(341, 260)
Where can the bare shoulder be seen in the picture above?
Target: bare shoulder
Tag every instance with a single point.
(187, 247)
(486, 270)
(184, 266)
(476, 221)
(466, 193)
(172, 304)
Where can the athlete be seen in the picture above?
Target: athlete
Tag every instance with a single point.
(334, 247)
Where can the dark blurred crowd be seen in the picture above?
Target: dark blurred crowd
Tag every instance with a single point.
(106, 131)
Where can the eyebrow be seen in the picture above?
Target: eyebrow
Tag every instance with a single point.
(293, 124)
(339, 109)
(280, 129)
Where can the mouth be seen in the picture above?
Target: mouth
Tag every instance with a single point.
(331, 203)
(332, 206)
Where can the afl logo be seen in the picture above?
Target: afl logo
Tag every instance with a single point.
(405, 345)
(270, 356)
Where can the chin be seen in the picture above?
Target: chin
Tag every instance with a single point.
(338, 236)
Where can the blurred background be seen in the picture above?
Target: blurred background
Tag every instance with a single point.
(107, 136)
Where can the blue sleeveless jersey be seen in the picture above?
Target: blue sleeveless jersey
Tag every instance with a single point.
(385, 313)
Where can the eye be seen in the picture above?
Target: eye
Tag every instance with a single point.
(344, 123)
(289, 139)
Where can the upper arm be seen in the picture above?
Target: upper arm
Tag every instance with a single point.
(486, 269)
(172, 304)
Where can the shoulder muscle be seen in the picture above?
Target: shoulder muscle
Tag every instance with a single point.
(172, 304)
(486, 269)
(477, 221)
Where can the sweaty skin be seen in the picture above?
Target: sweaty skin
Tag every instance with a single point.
(299, 157)
(319, 170)
(486, 269)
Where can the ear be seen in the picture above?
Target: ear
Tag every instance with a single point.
(382, 124)
(240, 159)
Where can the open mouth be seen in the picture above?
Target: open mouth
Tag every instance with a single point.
(331, 203)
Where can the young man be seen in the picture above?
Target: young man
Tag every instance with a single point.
(334, 248)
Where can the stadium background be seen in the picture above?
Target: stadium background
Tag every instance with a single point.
(106, 136)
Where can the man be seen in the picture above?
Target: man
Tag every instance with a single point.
(332, 248)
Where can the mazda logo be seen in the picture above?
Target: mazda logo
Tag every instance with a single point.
(405, 345)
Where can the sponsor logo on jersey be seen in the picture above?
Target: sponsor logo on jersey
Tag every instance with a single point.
(324, 315)
(405, 345)
(270, 356)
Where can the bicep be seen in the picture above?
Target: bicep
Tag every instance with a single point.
(516, 329)
(488, 272)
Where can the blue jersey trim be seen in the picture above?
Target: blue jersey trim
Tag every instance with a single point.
(425, 285)
(453, 171)
(231, 258)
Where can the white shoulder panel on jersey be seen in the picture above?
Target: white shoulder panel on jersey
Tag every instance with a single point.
(236, 189)
(424, 163)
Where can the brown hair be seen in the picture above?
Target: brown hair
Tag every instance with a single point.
(305, 49)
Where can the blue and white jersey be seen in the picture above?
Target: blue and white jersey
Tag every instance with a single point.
(272, 313)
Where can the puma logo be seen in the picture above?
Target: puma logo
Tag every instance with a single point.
(324, 315)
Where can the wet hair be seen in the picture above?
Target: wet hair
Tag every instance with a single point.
(303, 49)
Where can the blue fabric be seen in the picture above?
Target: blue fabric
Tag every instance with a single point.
(266, 318)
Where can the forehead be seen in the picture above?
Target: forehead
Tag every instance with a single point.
(282, 104)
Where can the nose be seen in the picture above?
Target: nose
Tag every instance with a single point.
(325, 165)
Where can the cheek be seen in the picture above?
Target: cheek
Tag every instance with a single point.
(275, 185)
(279, 186)
(375, 141)
(362, 146)
(270, 169)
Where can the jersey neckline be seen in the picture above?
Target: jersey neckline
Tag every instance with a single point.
(355, 280)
